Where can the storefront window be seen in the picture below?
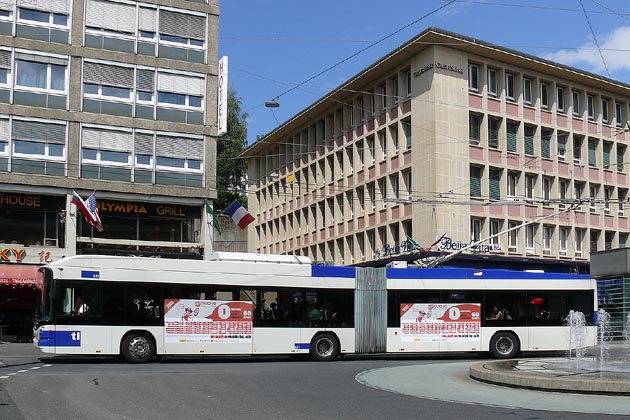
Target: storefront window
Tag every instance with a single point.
(32, 220)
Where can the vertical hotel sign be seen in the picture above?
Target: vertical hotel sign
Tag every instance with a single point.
(222, 94)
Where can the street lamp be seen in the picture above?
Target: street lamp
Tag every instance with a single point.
(272, 104)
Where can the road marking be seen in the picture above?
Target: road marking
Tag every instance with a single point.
(35, 367)
(4, 377)
(7, 376)
(22, 371)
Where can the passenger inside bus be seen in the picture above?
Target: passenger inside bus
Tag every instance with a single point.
(495, 314)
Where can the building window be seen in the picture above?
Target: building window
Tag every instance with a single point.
(395, 89)
(562, 241)
(547, 235)
(529, 139)
(513, 236)
(494, 183)
(49, 74)
(544, 96)
(579, 240)
(42, 17)
(527, 91)
(382, 141)
(406, 124)
(607, 196)
(494, 125)
(623, 239)
(576, 103)
(577, 150)
(593, 193)
(512, 130)
(545, 143)
(495, 230)
(594, 240)
(562, 146)
(475, 229)
(590, 107)
(563, 189)
(473, 77)
(492, 82)
(474, 128)
(530, 185)
(560, 99)
(605, 110)
(408, 78)
(509, 86)
(547, 184)
(512, 184)
(618, 114)
(475, 181)
(609, 237)
(383, 96)
(530, 236)
(37, 140)
(606, 146)
(592, 152)
(621, 153)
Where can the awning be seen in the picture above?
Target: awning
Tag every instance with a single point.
(21, 274)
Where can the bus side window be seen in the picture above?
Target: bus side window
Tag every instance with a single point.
(78, 300)
(144, 304)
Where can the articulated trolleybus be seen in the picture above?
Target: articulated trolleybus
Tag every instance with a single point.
(237, 303)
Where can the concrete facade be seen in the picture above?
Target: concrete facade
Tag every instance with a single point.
(452, 136)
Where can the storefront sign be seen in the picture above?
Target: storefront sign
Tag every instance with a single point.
(438, 322)
(438, 65)
(120, 207)
(207, 321)
(12, 254)
(447, 244)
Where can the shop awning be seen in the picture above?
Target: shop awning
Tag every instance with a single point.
(21, 274)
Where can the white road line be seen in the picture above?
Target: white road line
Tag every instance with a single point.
(22, 371)
(4, 377)
(35, 367)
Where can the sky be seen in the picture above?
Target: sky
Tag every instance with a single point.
(276, 46)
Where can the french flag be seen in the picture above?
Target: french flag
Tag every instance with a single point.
(239, 214)
(89, 209)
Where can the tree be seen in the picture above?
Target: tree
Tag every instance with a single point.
(232, 170)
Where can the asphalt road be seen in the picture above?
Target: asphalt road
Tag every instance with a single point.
(33, 387)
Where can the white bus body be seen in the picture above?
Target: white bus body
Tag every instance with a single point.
(357, 310)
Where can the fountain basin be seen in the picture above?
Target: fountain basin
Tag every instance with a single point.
(553, 374)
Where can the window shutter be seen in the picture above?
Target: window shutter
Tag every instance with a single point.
(182, 25)
(545, 145)
(41, 59)
(103, 74)
(143, 144)
(511, 137)
(493, 133)
(95, 138)
(175, 83)
(145, 80)
(606, 150)
(475, 181)
(495, 184)
(55, 6)
(179, 148)
(529, 141)
(39, 131)
(4, 130)
(117, 17)
(5, 59)
(620, 153)
(146, 20)
(592, 149)
(474, 122)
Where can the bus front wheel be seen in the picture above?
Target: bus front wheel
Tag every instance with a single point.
(324, 347)
(137, 347)
(504, 345)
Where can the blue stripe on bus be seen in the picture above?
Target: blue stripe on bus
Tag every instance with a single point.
(85, 274)
(332, 271)
(469, 273)
(60, 339)
(301, 346)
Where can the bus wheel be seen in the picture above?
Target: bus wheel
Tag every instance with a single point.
(137, 347)
(504, 345)
(324, 347)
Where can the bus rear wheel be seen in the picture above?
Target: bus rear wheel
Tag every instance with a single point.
(324, 347)
(504, 345)
(137, 347)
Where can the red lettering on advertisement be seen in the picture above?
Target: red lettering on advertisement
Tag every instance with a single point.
(44, 257)
(7, 253)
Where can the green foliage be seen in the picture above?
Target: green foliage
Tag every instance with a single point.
(232, 170)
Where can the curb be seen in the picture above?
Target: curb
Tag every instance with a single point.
(501, 373)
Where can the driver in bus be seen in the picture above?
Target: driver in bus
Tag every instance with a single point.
(79, 306)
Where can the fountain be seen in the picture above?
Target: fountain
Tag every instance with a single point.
(599, 369)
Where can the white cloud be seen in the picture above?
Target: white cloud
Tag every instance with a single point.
(615, 49)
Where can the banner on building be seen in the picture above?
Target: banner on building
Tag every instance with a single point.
(208, 321)
(222, 96)
(435, 322)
